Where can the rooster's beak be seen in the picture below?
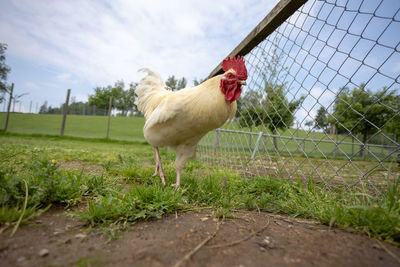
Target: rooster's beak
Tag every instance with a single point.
(242, 82)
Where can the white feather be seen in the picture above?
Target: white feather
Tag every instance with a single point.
(150, 91)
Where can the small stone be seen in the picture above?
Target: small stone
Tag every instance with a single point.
(376, 246)
(21, 259)
(43, 252)
(67, 241)
(82, 236)
(204, 219)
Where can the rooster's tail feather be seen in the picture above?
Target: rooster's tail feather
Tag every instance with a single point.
(150, 91)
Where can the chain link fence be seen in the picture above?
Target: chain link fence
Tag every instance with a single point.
(322, 99)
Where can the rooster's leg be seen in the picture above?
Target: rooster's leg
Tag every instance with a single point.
(178, 179)
(183, 153)
(159, 168)
(157, 164)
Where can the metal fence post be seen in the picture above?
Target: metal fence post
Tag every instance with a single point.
(109, 116)
(65, 113)
(260, 134)
(216, 144)
(9, 106)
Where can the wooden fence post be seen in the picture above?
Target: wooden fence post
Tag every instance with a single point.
(65, 113)
(109, 116)
(9, 107)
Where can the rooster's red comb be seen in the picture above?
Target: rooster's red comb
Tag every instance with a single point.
(237, 64)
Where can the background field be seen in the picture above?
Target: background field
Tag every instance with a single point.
(130, 129)
(121, 128)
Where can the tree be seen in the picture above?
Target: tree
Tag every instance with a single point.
(78, 108)
(197, 82)
(393, 125)
(362, 111)
(321, 119)
(182, 83)
(271, 107)
(43, 108)
(175, 84)
(55, 110)
(122, 100)
(4, 70)
(309, 123)
(126, 101)
(279, 111)
(248, 108)
(171, 82)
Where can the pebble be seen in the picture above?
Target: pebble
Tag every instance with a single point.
(43, 252)
(80, 236)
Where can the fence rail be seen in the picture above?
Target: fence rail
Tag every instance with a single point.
(315, 141)
(318, 64)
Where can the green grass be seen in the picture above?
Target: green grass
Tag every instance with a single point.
(318, 149)
(124, 191)
(130, 129)
(121, 128)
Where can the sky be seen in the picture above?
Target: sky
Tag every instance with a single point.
(56, 45)
(331, 44)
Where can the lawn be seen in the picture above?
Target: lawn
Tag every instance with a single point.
(323, 146)
(111, 183)
(130, 129)
(121, 128)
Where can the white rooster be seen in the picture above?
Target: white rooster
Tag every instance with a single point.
(180, 119)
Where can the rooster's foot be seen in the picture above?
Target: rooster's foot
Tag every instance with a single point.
(176, 186)
(162, 176)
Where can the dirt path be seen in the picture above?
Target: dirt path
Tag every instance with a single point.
(265, 240)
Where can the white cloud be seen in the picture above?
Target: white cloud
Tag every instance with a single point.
(103, 42)
(63, 76)
(31, 85)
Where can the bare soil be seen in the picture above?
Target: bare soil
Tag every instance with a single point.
(249, 239)
(80, 165)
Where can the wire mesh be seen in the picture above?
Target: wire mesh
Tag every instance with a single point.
(322, 99)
